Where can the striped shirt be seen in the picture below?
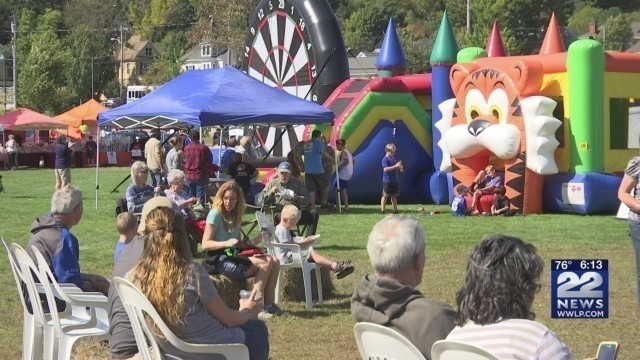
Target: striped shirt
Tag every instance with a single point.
(516, 339)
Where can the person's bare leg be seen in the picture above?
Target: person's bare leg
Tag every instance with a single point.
(394, 201)
(345, 198)
(272, 281)
(260, 269)
(383, 203)
(476, 197)
(321, 260)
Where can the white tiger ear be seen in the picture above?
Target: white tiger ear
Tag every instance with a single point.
(444, 124)
(540, 128)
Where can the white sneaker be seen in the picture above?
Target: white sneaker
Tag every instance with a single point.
(263, 315)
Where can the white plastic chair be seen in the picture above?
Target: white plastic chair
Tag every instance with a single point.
(32, 330)
(268, 231)
(137, 305)
(377, 342)
(454, 350)
(60, 335)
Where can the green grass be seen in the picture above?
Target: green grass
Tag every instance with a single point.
(327, 332)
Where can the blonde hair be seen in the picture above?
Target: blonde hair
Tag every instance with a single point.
(245, 141)
(488, 169)
(390, 147)
(290, 212)
(166, 260)
(238, 211)
(138, 166)
(125, 222)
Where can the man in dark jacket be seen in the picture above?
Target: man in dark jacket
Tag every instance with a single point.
(389, 298)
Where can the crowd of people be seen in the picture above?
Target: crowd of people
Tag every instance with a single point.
(493, 303)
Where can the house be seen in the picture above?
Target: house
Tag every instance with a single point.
(138, 55)
(635, 29)
(7, 95)
(205, 56)
(363, 65)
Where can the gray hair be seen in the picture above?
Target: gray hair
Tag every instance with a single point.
(393, 242)
(175, 176)
(66, 199)
(135, 167)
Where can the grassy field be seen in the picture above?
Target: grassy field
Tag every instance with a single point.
(327, 332)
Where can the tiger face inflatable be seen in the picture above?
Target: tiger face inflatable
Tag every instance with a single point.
(494, 113)
(497, 114)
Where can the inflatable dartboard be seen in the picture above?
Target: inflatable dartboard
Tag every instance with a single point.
(289, 41)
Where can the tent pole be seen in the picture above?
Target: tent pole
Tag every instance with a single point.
(335, 157)
(97, 165)
(220, 151)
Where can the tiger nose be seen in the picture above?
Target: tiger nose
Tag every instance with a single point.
(478, 126)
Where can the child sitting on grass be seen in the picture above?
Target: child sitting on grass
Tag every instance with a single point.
(127, 225)
(289, 218)
(459, 204)
(501, 204)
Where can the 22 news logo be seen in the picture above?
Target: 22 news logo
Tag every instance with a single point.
(580, 289)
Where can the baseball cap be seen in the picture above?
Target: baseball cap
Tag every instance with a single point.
(154, 203)
(284, 167)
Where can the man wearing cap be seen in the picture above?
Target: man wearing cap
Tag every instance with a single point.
(154, 155)
(286, 190)
(123, 344)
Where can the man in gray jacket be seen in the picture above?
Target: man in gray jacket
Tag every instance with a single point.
(388, 297)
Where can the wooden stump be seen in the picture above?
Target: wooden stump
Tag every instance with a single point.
(292, 284)
(229, 289)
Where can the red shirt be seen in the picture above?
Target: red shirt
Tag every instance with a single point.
(197, 158)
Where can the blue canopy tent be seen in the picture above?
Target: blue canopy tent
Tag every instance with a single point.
(215, 97)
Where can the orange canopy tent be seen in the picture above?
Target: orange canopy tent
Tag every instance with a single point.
(25, 119)
(85, 114)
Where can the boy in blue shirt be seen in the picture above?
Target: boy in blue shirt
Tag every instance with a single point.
(390, 186)
(127, 226)
(459, 204)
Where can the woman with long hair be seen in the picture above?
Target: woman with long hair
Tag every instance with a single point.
(221, 239)
(494, 303)
(184, 296)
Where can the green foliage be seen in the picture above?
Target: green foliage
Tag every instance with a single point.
(364, 29)
(616, 33)
(90, 14)
(223, 23)
(580, 21)
(42, 64)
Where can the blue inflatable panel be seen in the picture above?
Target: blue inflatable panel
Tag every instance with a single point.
(424, 188)
(586, 193)
(440, 187)
(365, 187)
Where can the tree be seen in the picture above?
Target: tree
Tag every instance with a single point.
(616, 33)
(223, 23)
(174, 47)
(87, 47)
(580, 21)
(43, 58)
(364, 29)
(90, 14)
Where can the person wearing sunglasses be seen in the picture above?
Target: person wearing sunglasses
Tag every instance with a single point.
(139, 192)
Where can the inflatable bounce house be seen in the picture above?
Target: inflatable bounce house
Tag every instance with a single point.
(555, 125)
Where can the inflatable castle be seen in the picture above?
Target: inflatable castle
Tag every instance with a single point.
(555, 124)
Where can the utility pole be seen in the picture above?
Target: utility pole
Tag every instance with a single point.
(121, 62)
(92, 93)
(14, 36)
(469, 15)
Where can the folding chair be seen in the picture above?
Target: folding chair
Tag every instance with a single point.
(137, 306)
(453, 350)
(55, 327)
(377, 342)
(268, 231)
